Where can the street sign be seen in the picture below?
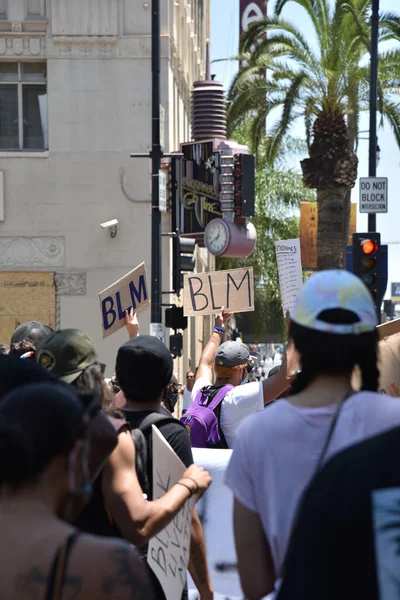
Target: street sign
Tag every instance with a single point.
(158, 330)
(373, 195)
(162, 182)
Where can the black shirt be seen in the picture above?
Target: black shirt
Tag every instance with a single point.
(175, 434)
(347, 537)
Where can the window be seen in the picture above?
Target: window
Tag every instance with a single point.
(23, 106)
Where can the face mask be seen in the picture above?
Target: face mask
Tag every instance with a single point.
(171, 398)
(78, 495)
(244, 380)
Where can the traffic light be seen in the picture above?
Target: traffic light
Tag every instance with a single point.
(367, 260)
(176, 344)
(174, 318)
(183, 260)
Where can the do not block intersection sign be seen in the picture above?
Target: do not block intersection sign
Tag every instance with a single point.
(373, 194)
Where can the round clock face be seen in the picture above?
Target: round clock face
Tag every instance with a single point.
(216, 236)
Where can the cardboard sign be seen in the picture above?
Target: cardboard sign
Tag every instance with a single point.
(168, 552)
(129, 291)
(290, 273)
(389, 358)
(309, 232)
(206, 293)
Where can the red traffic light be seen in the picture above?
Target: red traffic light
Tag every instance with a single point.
(369, 247)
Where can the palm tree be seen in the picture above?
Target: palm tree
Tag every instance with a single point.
(325, 83)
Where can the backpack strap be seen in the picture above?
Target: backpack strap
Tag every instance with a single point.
(59, 568)
(156, 418)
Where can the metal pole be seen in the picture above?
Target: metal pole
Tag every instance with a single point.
(373, 101)
(156, 155)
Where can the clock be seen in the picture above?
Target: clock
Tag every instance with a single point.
(223, 238)
(217, 236)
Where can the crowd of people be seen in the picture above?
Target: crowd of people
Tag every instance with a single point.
(313, 470)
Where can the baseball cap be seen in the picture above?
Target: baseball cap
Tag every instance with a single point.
(34, 331)
(335, 289)
(144, 365)
(67, 353)
(231, 354)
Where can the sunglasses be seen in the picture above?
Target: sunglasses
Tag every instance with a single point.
(175, 387)
(249, 369)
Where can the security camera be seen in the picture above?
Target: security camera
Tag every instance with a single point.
(112, 226)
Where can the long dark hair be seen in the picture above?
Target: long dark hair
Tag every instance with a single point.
(335, 354)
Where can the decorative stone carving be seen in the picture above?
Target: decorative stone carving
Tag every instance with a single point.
(24, 47)
(31, 252)
(70, 284)
(81, 47)
(16, 27)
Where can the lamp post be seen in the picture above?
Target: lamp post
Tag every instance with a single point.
(373, 146)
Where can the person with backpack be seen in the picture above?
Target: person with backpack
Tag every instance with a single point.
(144, 370)
(217, 410)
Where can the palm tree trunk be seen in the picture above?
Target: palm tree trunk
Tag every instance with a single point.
(331, 231)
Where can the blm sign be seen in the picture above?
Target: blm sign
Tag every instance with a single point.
(373, 194)
(130, 291)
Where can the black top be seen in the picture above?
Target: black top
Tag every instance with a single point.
(175, 434)
(347, 537)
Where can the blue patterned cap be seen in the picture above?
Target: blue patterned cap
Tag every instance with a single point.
(328, 290)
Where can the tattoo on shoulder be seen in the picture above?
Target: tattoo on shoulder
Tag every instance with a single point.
(33, 583)
(128, 574)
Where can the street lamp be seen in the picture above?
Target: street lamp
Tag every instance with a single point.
(373, 145)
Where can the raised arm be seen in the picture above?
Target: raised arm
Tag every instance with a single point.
(279, 383)
(210, 350)
(137, 519)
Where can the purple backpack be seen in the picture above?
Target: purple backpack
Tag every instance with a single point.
(202, 418)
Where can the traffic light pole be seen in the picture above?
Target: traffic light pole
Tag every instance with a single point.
(156, 155)
(373, 102)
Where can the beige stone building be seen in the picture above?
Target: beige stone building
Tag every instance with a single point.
(75, 101)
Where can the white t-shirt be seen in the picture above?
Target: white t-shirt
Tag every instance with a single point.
(187, 398)
(240, 402)
(277, 451)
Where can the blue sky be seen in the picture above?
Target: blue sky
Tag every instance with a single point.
(224, 43)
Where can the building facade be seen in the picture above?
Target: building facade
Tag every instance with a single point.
(75, 101)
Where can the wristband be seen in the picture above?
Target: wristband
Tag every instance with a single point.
(187, 487)
(195, 483)
(218, 330)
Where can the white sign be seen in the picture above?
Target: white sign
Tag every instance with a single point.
(215, 510)
(168, 553)
(158, 330)
(290, 274)
(162, 182)
(373, 194)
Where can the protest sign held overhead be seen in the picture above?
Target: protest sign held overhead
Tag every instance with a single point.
(168, 552)
(207, 293)
(129, 291)
(289, 269)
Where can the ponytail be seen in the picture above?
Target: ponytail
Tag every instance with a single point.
(368, 363)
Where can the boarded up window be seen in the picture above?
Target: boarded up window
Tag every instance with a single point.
(25, 297)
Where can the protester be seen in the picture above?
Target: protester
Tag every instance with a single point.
(43, 446)
(276, 452)
(27, 337)
(230, 363)
(71, 355)
(346, 542)
(171, 397)
(4, 349)
(15, 373)
(187, 390)
(144, 371)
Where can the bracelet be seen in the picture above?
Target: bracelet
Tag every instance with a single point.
(219, 330)
(195, 483)
(187, 487)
